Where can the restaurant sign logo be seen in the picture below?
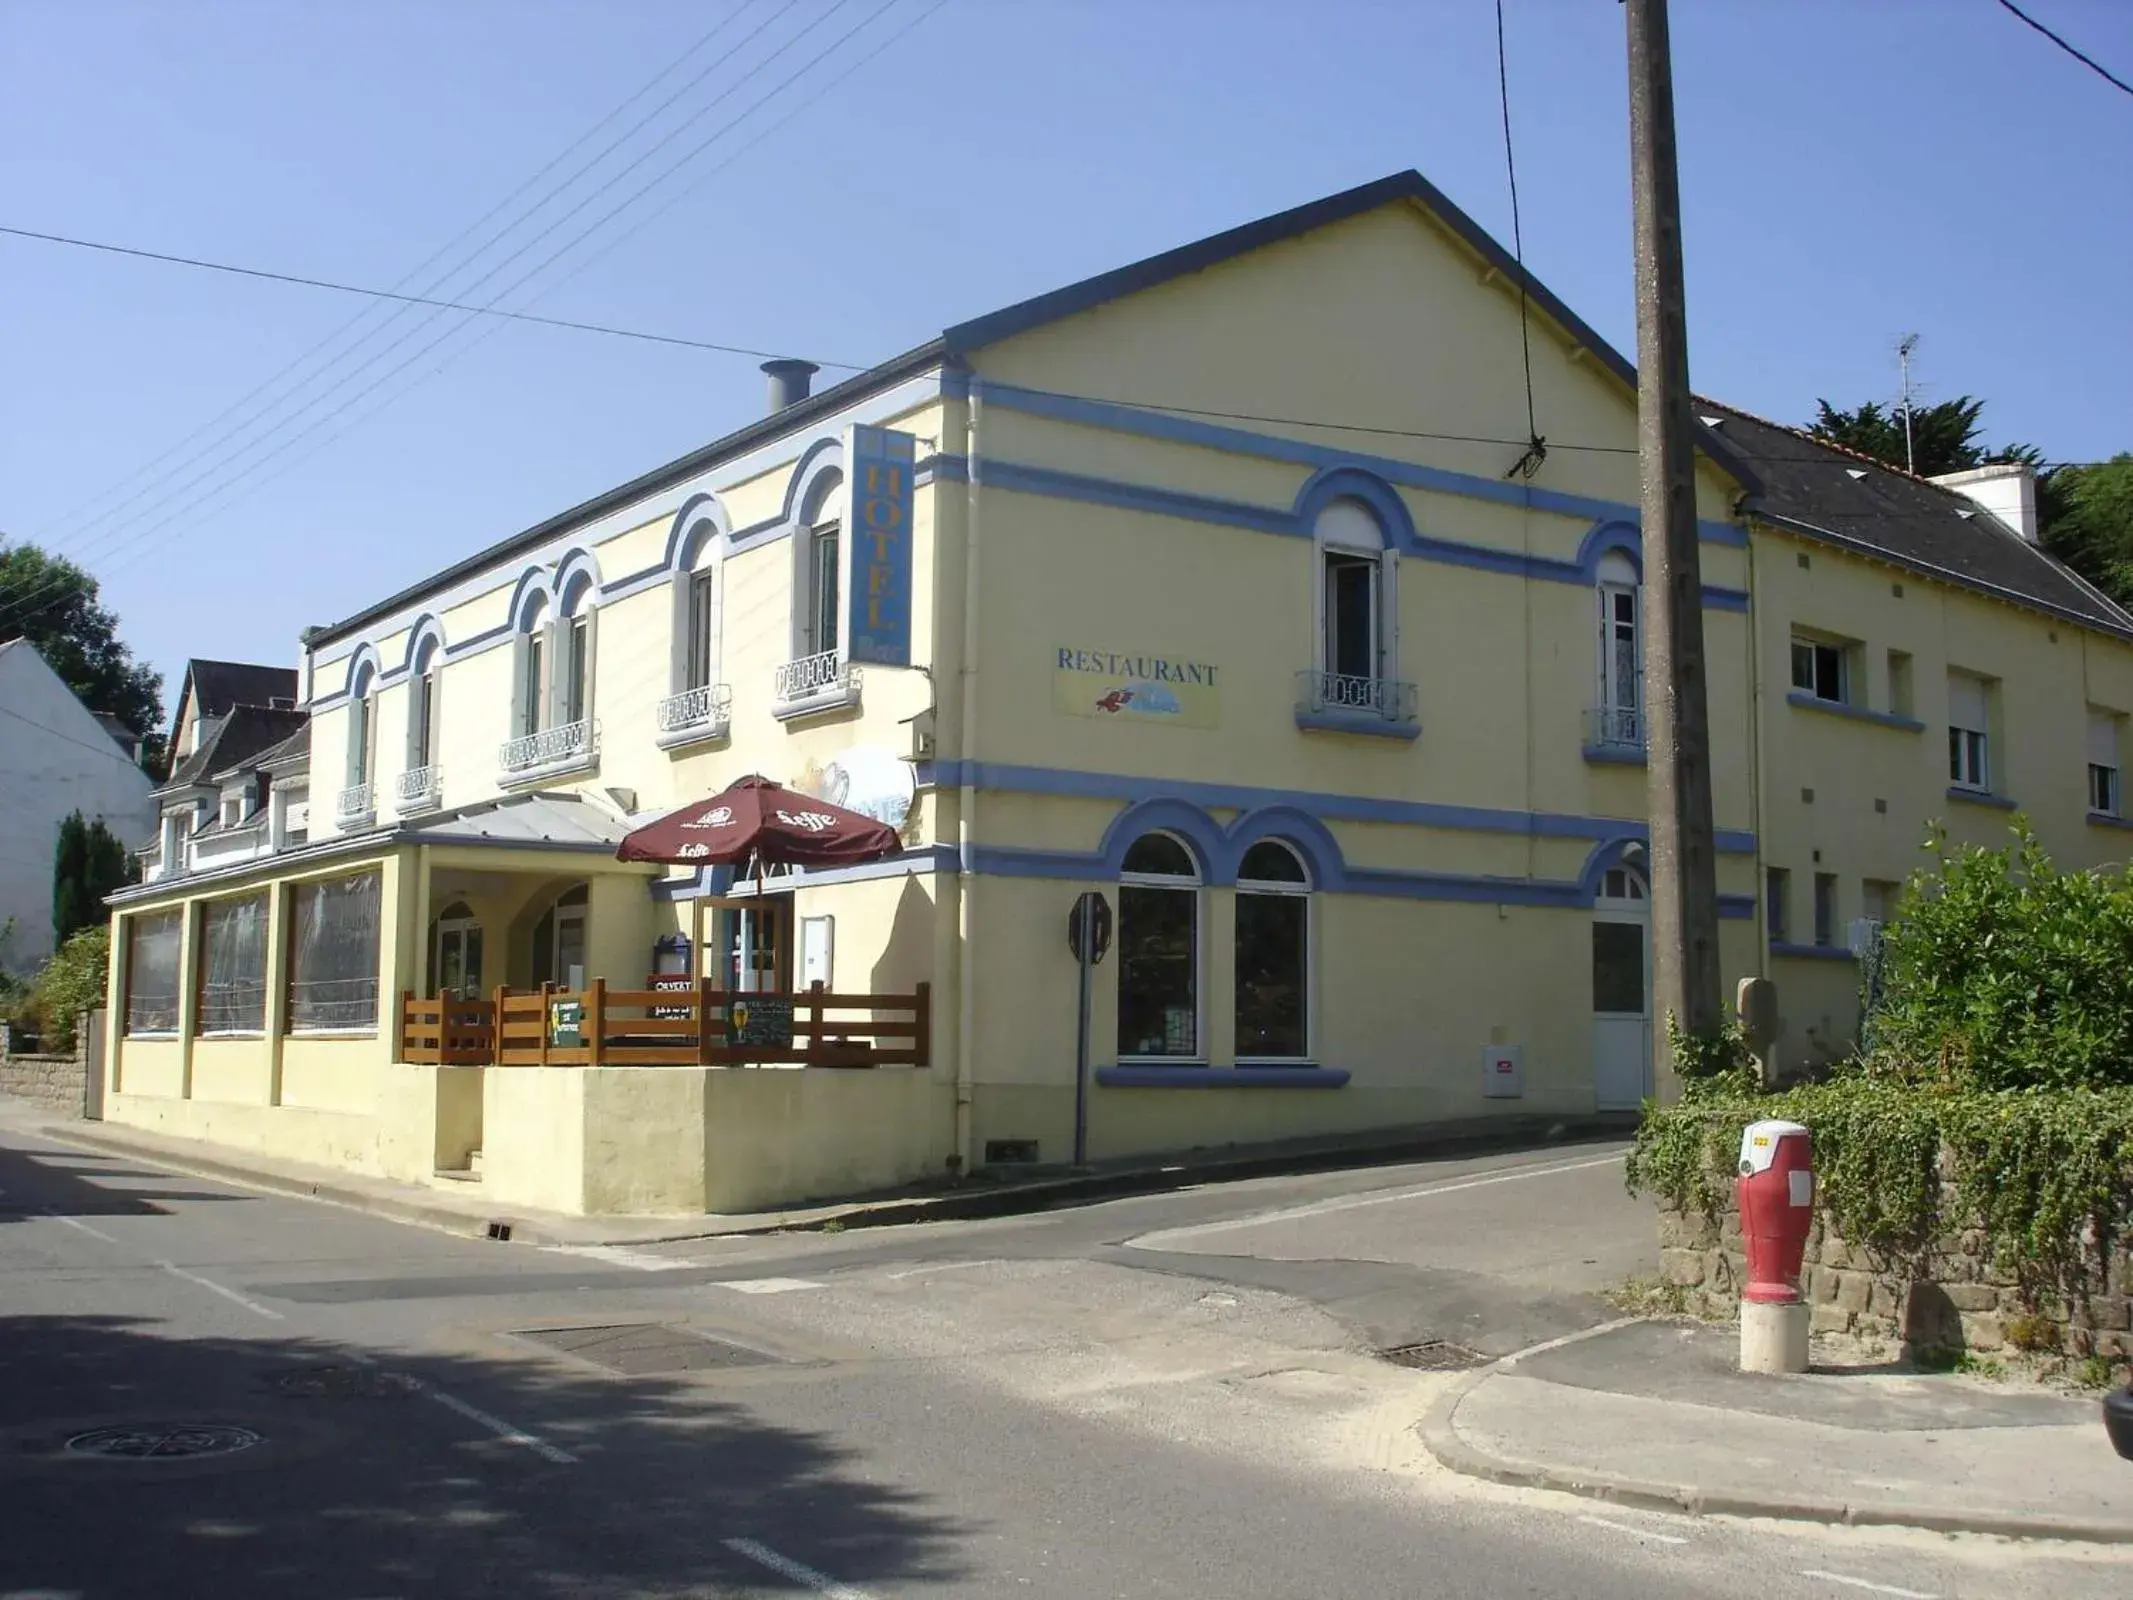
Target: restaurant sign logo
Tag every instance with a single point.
(879, 490)
(1122, 686)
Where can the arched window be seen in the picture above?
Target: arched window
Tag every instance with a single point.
(574, 652)
(815, 585)
(529, 691)
(1158, 950)
(1618, 714)
(354, 806)
(697, 704)
(423, 673)
(1357, 648)
(1273, 954)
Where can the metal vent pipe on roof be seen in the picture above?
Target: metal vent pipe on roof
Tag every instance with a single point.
(789, 382)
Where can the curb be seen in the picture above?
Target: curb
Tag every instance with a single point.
(1455, 1453)
(968, 1204)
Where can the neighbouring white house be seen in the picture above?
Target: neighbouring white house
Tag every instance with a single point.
(56, 757)
(239, 771)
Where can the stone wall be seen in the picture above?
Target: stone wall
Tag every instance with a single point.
(1969, 1303)
(58, 1083)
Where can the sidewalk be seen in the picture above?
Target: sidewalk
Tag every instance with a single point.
(1655, 1414)
(462, 1207)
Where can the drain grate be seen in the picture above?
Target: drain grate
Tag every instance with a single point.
(345, 1383)
(1434, 1355)
(638, 1349)
(170, 1441)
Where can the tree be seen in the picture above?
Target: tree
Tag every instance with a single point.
(87, 863)
(53, 603)
(1943, 436)
(2086, 513)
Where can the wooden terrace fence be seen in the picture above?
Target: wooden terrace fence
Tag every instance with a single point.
(603, 1027)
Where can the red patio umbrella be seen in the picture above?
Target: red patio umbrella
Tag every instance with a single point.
(774, 825)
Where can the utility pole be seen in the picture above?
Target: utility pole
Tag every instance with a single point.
(1684, 870)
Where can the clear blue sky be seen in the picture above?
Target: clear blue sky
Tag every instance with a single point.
(1851, 170)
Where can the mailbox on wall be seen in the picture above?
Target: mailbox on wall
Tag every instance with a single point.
(1503, 1071)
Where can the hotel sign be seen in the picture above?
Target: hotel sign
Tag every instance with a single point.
(1126, 686)
(877, 537)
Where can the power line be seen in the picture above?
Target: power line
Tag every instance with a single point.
(2090, 62)
(403, 338)
(113, 751)
(409, 299)
(533, 272)
(1536, 447)
(442, 250)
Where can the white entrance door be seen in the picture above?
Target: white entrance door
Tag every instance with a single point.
(1621, 992)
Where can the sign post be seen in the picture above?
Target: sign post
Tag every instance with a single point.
(1088, 936)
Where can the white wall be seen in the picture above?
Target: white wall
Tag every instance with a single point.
(55, 758)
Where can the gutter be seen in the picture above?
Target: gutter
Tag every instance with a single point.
(967, 796)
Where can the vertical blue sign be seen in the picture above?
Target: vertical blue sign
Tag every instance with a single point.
(879, 463)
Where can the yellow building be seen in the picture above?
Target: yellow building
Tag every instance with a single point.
(1209, 585)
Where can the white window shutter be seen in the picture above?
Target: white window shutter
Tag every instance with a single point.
(1966, 702)
(2103, 739)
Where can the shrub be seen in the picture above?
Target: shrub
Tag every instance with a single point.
(72, 982)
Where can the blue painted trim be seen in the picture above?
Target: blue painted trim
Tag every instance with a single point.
(1811, 952)
(427, 630)
(1836, 708)
(1363, 722)
(1611, 536)
(804, 489)
(683, 546)
(1972, 797)
(1616, 755)
(1119, 496)
(1134, 1076)
(1736, 907)
(1718, 599)
(576, 576)
(2104, 819)
(1013, 778)
(1239, 441)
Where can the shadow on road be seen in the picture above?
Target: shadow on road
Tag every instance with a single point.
(364, 1485)
(75, 1183)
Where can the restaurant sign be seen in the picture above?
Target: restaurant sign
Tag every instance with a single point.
(1128, 686)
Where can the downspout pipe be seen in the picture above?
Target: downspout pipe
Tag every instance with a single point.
(966, 1034)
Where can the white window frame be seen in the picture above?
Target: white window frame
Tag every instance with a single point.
(821, 519)
(2106, 739)
(1303, 891)
(1970, 748)
(424, 685)
(362, 727)
(531, 664)
(702, 599)
(1350, 529)
(1617, 578)
(1805, 640)
(1196, 886)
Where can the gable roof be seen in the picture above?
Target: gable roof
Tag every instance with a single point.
(215, 687)
(1828, 492)
(241, 733)
(967, 338)
(291, 754)
(94, 731)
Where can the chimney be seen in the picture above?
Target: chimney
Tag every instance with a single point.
(788, 382)
(2007, 489)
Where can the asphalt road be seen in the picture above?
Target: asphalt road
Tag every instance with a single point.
(1168, 1395)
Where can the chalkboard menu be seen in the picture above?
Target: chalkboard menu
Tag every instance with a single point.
(764, 1020)
(566, 1020)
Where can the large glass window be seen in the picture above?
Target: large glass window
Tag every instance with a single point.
(1969, 721)
(1621, 662)
(422, 710)
(333, 956)
(822, 589)
(152, 955)
(1353, 569)
(1158, 950)
(233, 966)
(703, 629)
(1821, 669)
(1273, 954)
(572, 697)
(532, 681)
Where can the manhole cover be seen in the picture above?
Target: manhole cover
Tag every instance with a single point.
(1434, 1355)
(164, 1441)
(345, 1383)
(638, 1349)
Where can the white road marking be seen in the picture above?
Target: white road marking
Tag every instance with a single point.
(937, 1266)
(213, 1287)
(1516, 1356)
(1325, 1208)
(620, 1256)
(799, 1572)
(76, 1222)
(1635, 1533)
(1862, 1583)
(496, 1425)
(767, 1285)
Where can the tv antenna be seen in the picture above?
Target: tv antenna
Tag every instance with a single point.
(1904, 347)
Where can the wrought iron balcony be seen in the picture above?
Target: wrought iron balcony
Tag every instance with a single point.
(566, 745)
(418, 788)
(699, 713)
(1615, 729)
(819, 682)
(1343, 701)
(353, 804)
